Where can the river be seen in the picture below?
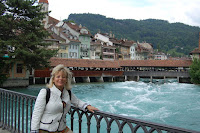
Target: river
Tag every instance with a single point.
(175, 104)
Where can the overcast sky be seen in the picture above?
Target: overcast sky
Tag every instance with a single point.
(184, 11)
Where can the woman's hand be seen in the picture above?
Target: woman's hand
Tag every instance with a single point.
(91, 108)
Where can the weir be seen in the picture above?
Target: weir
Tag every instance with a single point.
(16, 110)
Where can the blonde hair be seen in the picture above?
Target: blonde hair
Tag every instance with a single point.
(66, 71)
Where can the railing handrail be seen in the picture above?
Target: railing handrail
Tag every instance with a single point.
(147, 123)
(14, 125)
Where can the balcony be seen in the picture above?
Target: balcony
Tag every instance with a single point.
(84, 49)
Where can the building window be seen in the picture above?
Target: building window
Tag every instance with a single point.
(65, 55)
(19, 68)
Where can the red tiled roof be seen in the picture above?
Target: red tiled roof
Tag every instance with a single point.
(156, 63)
(53, 20)
(73, 26)
(195, 51)
(54, 36)
(73, 40)
(119, 63)
(115, 41)
(96, 43)
(84, 63)
(140, 48)
(43, 1)
(127, 42)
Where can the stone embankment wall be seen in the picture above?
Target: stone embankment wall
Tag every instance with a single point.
(17, 82)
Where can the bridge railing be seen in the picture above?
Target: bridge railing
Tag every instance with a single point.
(16, 110)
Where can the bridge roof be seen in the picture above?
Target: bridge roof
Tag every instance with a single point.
(156, 63)
(84, 63)
(118, 63)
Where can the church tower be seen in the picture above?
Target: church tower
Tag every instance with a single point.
(45, 8)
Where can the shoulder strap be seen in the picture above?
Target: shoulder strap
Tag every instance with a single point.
(70, 95)
(48, 95)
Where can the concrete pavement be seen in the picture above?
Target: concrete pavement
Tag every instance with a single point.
(3, 131)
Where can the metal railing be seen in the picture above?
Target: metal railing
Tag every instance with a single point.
(16, 110)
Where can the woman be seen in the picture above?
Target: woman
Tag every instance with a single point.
(51, 116)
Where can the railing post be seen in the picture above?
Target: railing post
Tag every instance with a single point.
(19, 98)
(1, 108)
(27, 115)
(12, 107)
(79, 121)
(88, 125)
(9, 126)
(15, 107)
(31, 111)
(72, 122)
(6, 110)
(3, 102)
(22, 114)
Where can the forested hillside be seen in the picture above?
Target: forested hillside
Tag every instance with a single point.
(174, 38)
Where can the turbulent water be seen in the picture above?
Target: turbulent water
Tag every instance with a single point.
(167, 103)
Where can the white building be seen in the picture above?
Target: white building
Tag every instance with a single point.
(160, 56)
(104, 38)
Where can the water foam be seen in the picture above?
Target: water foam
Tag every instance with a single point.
(161, 114)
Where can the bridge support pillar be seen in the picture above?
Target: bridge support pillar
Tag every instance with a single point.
(45, 80)
(99, 79)
(86, 79)
(73, 80)
(138, 78)
(151, 79)
(34, 80)
(178, 79)
(164, 78)
(125, 78)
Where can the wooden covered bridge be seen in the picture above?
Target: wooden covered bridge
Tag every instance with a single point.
(86, 70)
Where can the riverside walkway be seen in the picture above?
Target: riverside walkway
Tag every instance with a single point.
(4, 131)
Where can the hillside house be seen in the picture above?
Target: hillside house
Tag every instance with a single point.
(108, 52)
(82, 34)
(128, 49)
(104, 37)
(96, 49)
(160, 56)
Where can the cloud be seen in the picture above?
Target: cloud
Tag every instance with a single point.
(183, 11)
(193, 16)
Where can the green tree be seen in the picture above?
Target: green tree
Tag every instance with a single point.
(22, 34)
(195, 71)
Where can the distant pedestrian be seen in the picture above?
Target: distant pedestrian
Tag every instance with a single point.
(51, 116)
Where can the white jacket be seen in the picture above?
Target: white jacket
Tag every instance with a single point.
(52, 116)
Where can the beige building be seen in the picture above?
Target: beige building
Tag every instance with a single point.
(18, 76)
